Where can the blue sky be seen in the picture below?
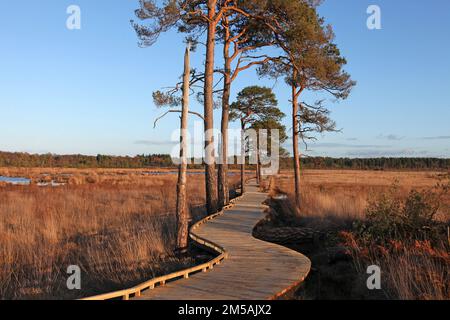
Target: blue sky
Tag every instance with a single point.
(89, 91)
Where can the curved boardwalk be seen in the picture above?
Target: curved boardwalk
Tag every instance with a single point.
(254, 269)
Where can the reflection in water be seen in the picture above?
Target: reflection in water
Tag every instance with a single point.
(22, 181)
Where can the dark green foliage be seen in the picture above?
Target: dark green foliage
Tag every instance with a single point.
(391, 217)
(272, 124)
(374, 163)
(255, 104)
(163, 99)
(310, 61)
(183, 15)
(8, 159)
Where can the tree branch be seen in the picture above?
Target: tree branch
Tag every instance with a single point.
(176, 111)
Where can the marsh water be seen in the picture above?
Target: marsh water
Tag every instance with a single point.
(21, 181)
(25, 181)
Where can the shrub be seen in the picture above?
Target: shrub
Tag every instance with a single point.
(389, 217)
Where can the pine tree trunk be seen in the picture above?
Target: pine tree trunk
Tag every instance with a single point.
(210, 168)
(242, 157)
(224, 196)
(257, 173)
(296, 154)
(182, 208)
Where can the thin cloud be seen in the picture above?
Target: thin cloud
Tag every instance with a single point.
(347, 145)
(388, 153)
(391, 137)
(155, 142)
(436, 138)
(335, 145)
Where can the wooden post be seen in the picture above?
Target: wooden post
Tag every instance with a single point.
(182, 209)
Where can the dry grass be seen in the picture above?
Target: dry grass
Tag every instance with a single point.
(117, 225)
(85, 176)
(411, 269)
(345, 193)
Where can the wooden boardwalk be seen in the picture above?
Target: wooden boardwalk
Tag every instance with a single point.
(254, 269)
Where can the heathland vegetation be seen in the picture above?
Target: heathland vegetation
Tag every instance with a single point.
(118, 226)
(350, 220)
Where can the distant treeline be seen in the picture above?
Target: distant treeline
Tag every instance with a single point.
(9, 159)
(374, 163)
